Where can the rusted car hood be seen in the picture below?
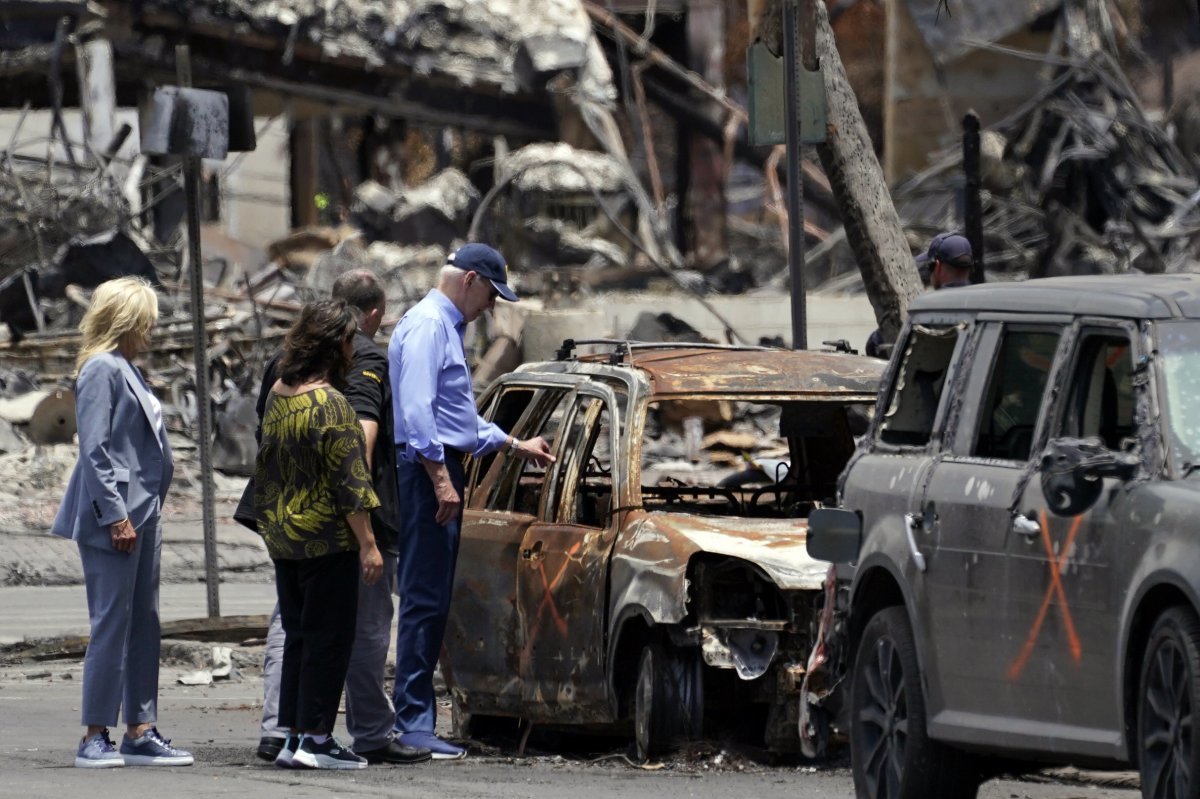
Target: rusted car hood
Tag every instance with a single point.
(775, 545)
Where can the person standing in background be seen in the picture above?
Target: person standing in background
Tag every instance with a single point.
(369, 712)
(312, 496)
(113, 509)
(437, 428)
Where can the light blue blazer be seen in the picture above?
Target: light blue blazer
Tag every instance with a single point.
(125, 466)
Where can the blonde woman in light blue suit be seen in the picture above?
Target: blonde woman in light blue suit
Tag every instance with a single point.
(112, 510)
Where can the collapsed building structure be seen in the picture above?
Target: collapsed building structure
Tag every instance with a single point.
(600, 144)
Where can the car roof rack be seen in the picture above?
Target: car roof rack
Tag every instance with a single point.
(624, 347)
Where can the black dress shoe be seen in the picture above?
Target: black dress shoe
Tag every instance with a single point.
(395, 752)
(268, 747)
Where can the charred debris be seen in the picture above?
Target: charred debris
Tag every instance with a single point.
(600, 145)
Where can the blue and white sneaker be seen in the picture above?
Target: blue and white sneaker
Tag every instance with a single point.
(98, 752)
(442, 750)
(151, 749)
(287, 752)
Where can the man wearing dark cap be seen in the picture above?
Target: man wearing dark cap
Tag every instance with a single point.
(950, 257)
(875, 344)
(437, 427)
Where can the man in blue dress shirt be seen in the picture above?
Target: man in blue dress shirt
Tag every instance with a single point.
(437, 427)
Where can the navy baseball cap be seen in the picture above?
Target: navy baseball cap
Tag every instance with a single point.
(950, 248)
(486, 262)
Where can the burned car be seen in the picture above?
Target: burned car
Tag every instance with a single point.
(655, 576)
(1019, 540)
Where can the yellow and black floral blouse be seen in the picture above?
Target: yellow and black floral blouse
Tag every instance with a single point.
(311, 473)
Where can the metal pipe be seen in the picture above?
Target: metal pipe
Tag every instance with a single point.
(191, 187)
(795, 186)
(973, 199)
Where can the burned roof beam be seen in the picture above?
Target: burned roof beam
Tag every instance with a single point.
(345, 87)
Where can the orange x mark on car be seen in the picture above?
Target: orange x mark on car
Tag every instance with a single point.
(1055, 588)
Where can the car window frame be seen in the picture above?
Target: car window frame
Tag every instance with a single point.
(962, 423)
(888, 383)
(969, 428)
(608, 397)
(1085, 327)
(488, 404)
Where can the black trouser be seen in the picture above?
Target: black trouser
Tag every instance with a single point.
(318, 605)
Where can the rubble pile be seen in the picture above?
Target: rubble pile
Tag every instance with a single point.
(473, 41)
(1077, 181)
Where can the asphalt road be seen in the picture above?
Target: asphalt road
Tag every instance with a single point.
(39, 711)
(39, 705)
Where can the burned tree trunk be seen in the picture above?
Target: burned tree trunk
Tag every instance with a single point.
(872, 225)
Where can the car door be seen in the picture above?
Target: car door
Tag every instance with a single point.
(1062, 586)
(483, 633)
(967, 517)
(563, 567)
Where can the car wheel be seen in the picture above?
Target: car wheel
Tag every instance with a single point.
(891, 755)
(1168, 714)
(667, 702)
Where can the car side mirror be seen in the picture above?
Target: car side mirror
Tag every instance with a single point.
(834, 535)
(1073, 470)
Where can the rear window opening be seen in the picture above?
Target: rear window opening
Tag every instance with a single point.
(727, 457)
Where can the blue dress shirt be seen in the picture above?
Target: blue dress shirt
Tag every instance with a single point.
(432, 400)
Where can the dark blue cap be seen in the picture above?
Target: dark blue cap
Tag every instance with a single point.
(951, 248)
(486, 262)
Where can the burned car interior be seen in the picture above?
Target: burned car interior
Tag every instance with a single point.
(799, 448)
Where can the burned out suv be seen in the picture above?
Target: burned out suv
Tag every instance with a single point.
(1020, 535)
(654, 578)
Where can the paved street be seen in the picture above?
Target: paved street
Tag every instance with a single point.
(219, 723)
(39, 703)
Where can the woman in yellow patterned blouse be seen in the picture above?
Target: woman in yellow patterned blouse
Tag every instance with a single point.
(312, 498)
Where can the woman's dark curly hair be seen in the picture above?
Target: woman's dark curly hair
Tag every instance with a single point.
(313, 348)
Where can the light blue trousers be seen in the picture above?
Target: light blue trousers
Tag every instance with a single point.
(120, 669)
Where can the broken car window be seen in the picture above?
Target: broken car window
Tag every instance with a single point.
(518, 487)
(1179, 348)
(505, 410)
(910, 414)
(586, 467)
(1013, 401)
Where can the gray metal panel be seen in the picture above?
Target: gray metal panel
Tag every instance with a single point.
(985, 20)
(1125, 296)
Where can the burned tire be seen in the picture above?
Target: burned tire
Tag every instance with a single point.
(668, 707)
(891, 755)
(1168, 713)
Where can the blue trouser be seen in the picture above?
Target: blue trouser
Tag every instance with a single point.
(424, 580)
(120, 669)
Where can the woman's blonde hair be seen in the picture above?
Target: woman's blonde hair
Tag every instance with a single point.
(120, 306)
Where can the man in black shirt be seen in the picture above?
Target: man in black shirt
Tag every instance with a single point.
(369, 713)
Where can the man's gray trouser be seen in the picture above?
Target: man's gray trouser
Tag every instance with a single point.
(369, 713)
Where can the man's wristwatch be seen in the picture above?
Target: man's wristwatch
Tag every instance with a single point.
(512, 446)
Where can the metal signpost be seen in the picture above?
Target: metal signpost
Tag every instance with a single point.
(195, 124)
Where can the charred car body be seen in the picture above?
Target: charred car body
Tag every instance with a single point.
(607, 590)
(1018, 540)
